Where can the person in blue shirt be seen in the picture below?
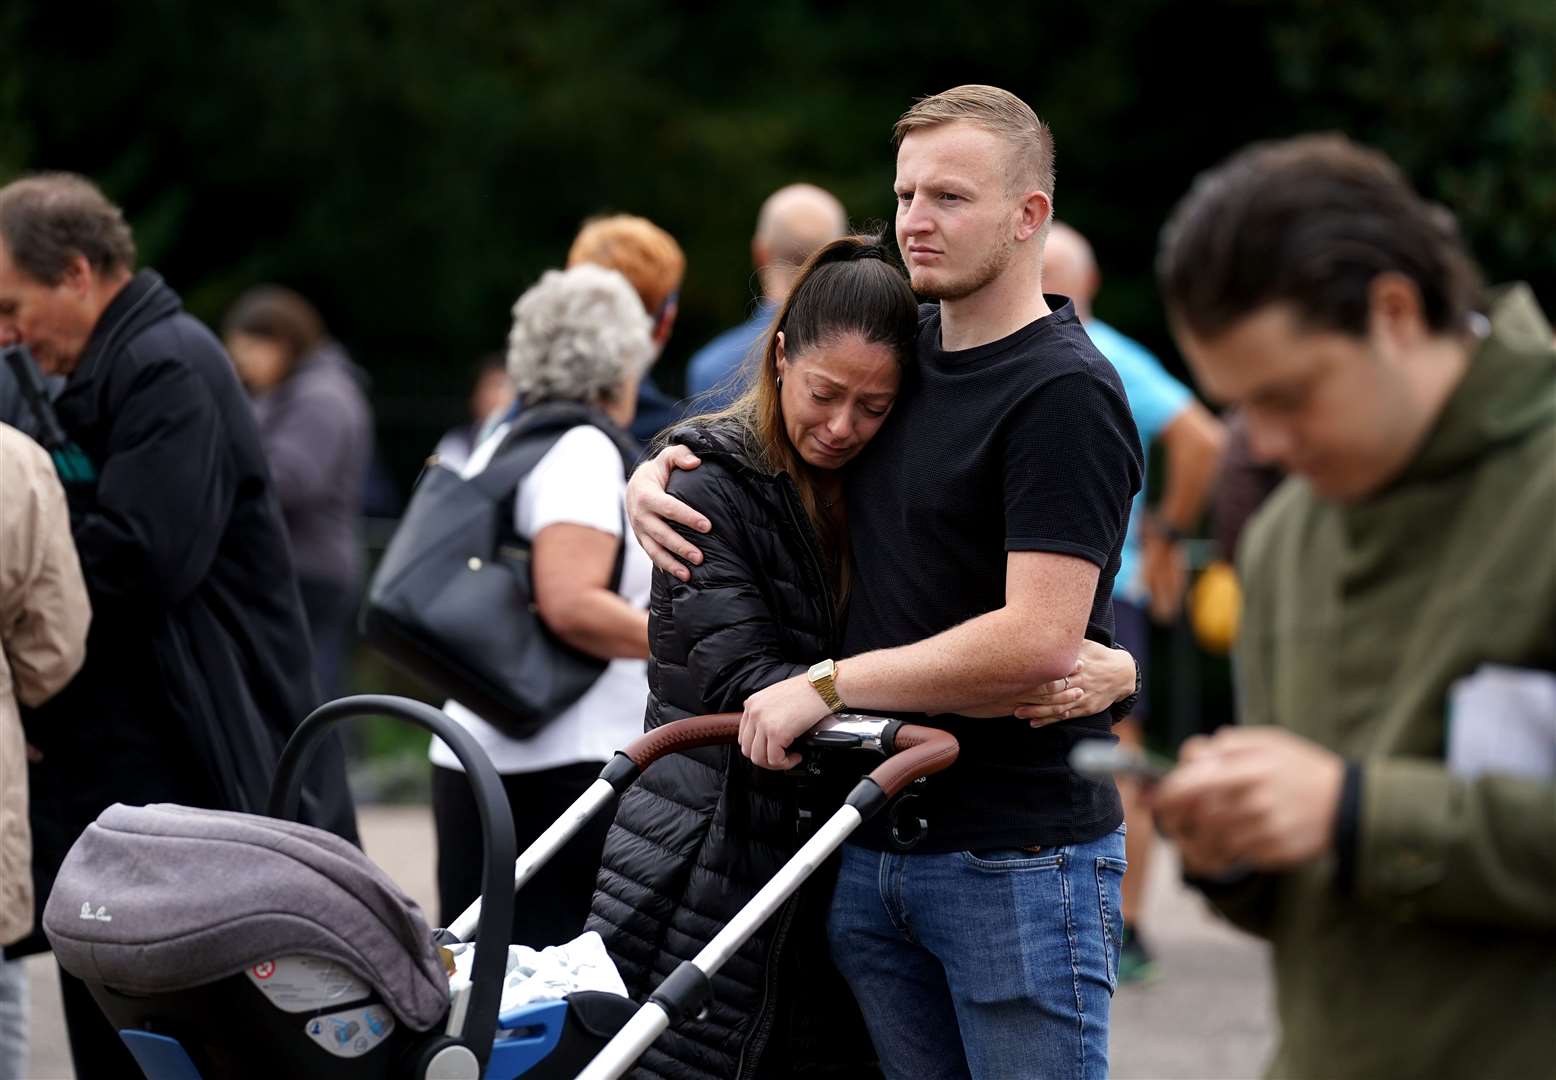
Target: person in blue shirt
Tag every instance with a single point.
(1153, 571)
(794, 222)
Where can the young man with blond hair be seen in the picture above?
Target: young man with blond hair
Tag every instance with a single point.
(978, 924)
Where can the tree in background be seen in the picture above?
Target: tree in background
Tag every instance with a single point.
(415, 164)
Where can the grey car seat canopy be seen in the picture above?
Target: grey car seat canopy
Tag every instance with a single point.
(163, 898)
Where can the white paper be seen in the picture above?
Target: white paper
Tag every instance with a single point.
(548, 974)
(1503, 720)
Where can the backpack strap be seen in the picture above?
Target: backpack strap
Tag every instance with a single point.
(534, 432)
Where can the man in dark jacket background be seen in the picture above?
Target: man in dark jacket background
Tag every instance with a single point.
(198, 658)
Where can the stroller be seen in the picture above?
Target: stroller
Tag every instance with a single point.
(222, 944)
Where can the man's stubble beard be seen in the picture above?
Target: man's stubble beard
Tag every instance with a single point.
(995, 264)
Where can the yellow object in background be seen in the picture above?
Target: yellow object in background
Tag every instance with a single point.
(1216, 607)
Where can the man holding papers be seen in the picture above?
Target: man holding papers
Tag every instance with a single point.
(1411, 905)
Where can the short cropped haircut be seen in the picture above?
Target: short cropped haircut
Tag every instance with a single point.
(636, 248)
(577, 333)
(48, 219)
(996, 110)
(1310, 222)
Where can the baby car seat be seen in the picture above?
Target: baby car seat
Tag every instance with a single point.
(224, 944)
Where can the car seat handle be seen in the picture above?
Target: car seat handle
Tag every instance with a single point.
(499, 848)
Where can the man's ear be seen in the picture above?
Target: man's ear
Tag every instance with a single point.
(666, 322)
(1034, 212)
(78, 276)
(1395, 311)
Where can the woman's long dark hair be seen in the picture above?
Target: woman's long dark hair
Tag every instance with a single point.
(850, 286)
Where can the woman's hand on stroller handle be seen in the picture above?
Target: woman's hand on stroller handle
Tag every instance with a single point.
(775, 717)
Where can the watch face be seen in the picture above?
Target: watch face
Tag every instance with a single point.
(822, 670)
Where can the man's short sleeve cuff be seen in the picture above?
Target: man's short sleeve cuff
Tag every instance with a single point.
(1057, 547)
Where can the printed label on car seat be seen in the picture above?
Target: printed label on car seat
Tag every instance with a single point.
(306, 983)
(351, 1032)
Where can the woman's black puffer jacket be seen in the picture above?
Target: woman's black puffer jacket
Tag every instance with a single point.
(700, 833)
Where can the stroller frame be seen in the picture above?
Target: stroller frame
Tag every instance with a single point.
(468, 1047)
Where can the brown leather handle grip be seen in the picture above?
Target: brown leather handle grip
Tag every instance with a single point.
(718, 729)
(921, 751)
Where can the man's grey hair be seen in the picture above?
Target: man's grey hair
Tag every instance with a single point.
(577, 334)
(48, 219)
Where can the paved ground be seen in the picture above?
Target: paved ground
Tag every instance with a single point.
(1207, 1017)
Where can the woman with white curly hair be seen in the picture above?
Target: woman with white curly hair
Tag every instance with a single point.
(581, 336)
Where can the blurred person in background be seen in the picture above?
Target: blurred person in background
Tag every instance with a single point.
(44, 615)
(317, 432)
(1383, 820)
(579, 335)
(651, 260)
(491, 392)
(1215, 603)
(1243, 482)
(793, 223)
(701, 833)
(198, 664)
(1153, 571)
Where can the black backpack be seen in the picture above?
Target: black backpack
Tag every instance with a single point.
(452, 601)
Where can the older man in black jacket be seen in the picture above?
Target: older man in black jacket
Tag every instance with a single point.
(198, 662)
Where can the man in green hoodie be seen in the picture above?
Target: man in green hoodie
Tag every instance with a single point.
(1410, 895)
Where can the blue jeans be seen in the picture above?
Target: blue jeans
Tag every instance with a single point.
(13, 1020)
(983, 964)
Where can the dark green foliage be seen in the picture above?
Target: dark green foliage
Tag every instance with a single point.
(411, 165)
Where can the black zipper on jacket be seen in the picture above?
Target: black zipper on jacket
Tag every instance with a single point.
(762, 1024)
(807, 535)
(761, 1027)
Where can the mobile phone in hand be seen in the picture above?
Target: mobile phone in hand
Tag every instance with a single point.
(1102, 759)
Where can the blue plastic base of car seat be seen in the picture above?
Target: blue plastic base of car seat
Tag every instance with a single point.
(524, 1037)
(160, 1057)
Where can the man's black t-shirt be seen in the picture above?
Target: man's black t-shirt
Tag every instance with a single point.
(1023, 444)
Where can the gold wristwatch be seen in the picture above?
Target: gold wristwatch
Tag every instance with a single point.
(821, 676)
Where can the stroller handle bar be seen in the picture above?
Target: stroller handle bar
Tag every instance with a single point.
(678, 736)
(722, 729)
(919, 752)
(838, 731)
